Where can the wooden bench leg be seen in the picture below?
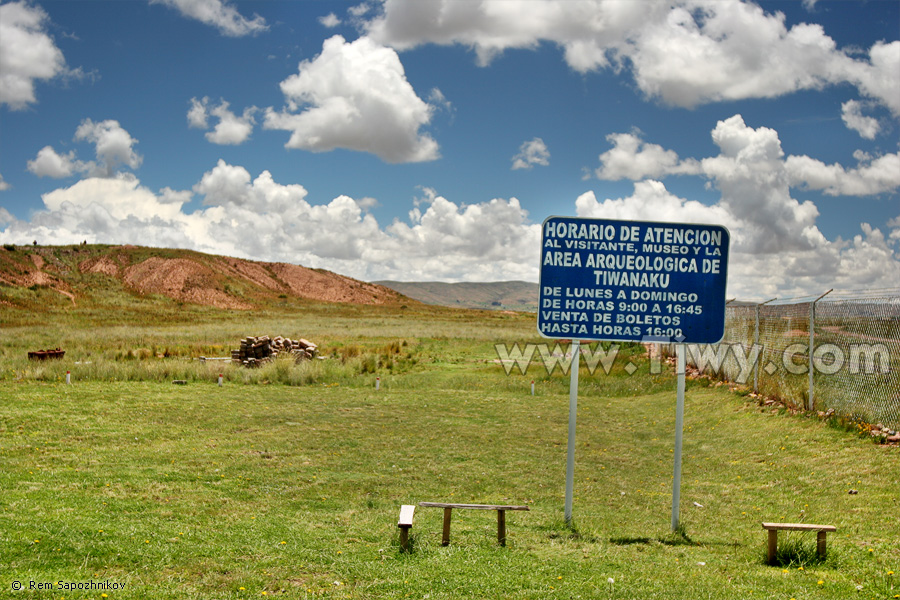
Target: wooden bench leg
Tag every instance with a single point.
(820, 544)
(773, 545)
(404, 538)
(445, 537)
(501, 527)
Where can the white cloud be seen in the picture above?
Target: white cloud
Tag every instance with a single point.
(750, 174)
(27, 53)
(872, 177)
(359, 10)
(355, 96)
(330, 20)
(880, 78)
(532, 152)
(684, 52)
(732, 50)
(218, 14)
(367, 203)
(584, 28)
(121, 197)
(851, 114)
(756, 179)
(632, 158)
(198, 114)
(230, 130)
(3, 185)
(777, 249)
(437, 99)
(48, 163)
(114, 146)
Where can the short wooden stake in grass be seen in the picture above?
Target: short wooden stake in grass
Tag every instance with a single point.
(377, 383)
(68, 377)
(445, 534)
(405, 523)
(220, 380)
(532, 387)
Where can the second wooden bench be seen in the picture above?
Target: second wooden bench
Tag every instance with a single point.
(774, 528)
(448, 510)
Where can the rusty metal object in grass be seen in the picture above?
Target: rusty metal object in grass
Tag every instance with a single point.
(46, 354)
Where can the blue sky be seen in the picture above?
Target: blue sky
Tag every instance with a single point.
(410, 140)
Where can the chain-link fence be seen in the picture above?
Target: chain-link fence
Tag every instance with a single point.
(853, 339)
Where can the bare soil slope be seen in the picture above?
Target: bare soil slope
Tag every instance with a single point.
(87, 271)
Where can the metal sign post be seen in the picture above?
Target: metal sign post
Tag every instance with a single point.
(635, 281)
(679, 430)
(573, 412)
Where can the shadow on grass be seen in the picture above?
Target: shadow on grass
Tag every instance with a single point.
(678, 538)
(795, 551)
(561, 530)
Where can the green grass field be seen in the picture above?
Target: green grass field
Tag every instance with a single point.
(288, 482)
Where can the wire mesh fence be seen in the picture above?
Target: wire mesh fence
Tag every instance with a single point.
(839, 351)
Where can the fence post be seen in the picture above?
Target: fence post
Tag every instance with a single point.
(812, 346)
(756, 344)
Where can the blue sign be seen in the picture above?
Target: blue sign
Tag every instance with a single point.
(604, 279)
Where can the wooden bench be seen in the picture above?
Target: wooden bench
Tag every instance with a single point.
(774, 528)
(448, 509)
(405, 523)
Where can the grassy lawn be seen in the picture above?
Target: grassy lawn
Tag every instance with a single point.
(258, 488)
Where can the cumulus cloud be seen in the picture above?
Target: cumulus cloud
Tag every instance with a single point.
(777, 249)
(3, 185)
(851, 114)
(532, 152)
(198, 114)
(221, 15)
(632, 158)
(355, 96)
(869, 178)
(230, 130)
(113, 147)
(330, 20)
(27, 53)
(684, 52)
(755, 179)
(880, 78)
(49, 163)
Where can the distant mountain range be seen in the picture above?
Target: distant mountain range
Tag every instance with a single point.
(497, 295)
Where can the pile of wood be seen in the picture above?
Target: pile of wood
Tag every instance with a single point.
(255, 351)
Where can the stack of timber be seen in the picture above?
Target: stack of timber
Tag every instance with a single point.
(255, 351)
